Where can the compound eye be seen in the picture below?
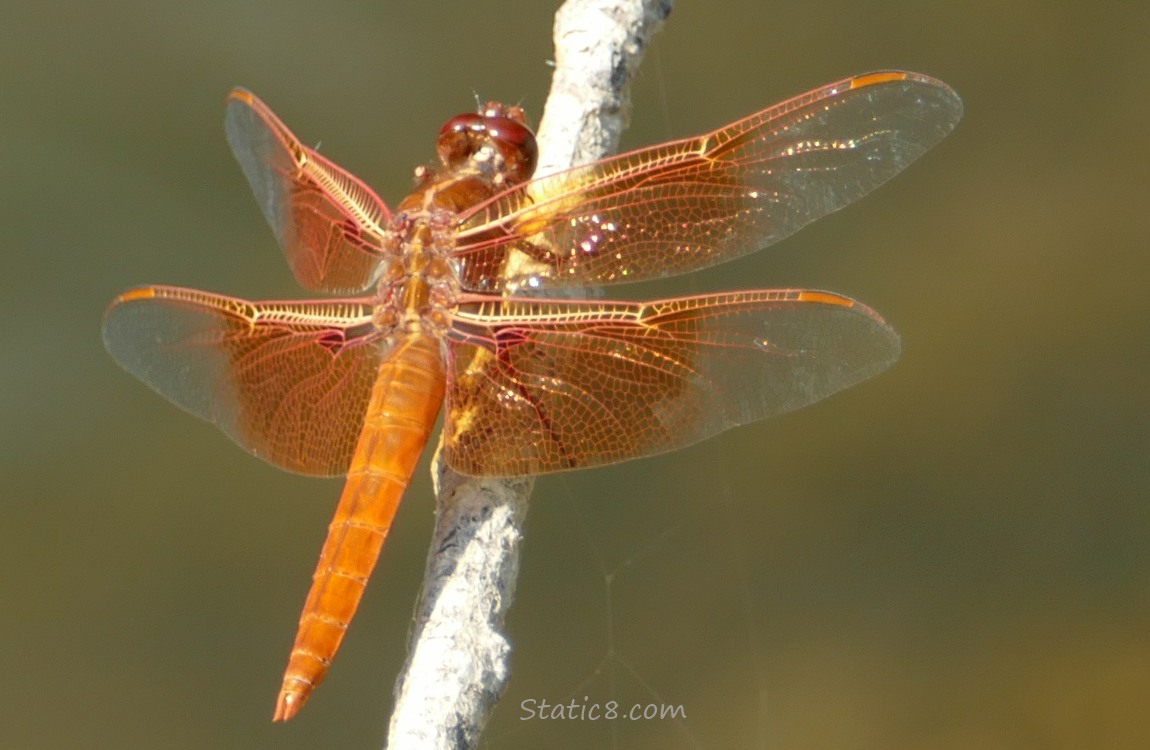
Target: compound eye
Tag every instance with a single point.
(497, 127)
(516, 143)
(459, 138)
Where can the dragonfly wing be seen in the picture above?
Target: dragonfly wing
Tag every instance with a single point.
(550, 385)
(287, 381)
(330, 225)
(685, 205)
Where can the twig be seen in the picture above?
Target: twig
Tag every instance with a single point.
(457, 662)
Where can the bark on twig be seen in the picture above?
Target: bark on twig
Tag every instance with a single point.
(458, 658)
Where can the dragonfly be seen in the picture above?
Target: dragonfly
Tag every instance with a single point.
(470, 297)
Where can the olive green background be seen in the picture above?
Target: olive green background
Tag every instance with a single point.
(953, 555)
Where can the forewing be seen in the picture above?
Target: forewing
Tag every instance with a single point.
(330, 225)
(685, 205)
(570, 384)
(288, 381)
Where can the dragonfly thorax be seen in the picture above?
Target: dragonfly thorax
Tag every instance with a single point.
(419, 285)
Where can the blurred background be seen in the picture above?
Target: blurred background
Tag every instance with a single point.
(953, 555)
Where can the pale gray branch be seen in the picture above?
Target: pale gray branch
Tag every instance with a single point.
(458, 658)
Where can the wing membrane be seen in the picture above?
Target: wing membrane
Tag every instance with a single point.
(693, 203)
(569, 384)
(287, 381)
(330, 225)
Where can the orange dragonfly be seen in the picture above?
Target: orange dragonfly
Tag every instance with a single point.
(459, 312)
